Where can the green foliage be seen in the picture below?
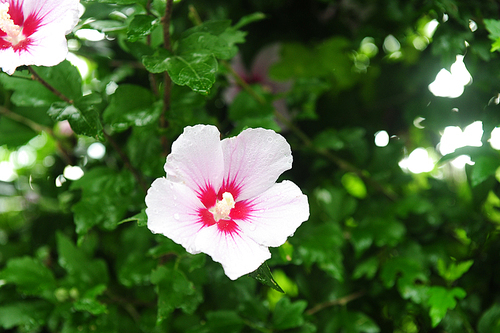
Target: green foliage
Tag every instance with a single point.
(386, 248)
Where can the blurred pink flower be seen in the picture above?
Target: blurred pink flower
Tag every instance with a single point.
(32, 32)
(221, 197)
(259, 73)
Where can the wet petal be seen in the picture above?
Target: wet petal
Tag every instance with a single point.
(57, 15)
(173, 210)
(196, 158)
(44, 23)
(238, 254)
(253, 161)
(275, 214)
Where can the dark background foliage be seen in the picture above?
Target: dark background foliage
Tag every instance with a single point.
(384, 250)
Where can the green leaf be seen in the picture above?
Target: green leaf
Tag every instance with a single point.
(353, 322)
(329, 139)
(64, 77)
(483, 168)
(493, 26)
(124, 2)
(206, 43)
(354, 185)
(30, 276)
(321, 244)
(146, 153)
(107, 25)
(490, 320)
(83, 272)
(141, 219)
(224, 321)
(366, 268)
(27, 92)
(105, 198)
(247, 106)
(441, 300)
(197, 71)
(287, 314)
(82, 116)
(250, 18)
(141, 26)
(410, 276)
(89, 303)
(214, 27)
(264, 276)
(14, 134)
(131, 105)
(296, 61)
(134, 266)
(29, 315)
(379, 230)
(157, 63)
(174, 291)
(454, 271)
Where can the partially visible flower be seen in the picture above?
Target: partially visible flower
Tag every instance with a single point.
(259, 73)
(32, 32)
(221, 197)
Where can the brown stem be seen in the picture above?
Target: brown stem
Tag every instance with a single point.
(151, 76)
(37, 128)
(167, 81)
(343, 164)
(47, 85)
(341, 301)
(126, 161)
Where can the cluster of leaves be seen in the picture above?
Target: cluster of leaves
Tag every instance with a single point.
(384, 250)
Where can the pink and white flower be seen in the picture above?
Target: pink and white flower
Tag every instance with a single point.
(259, 74)
(221, 197)
(32, 32)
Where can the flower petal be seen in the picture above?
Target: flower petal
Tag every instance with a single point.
(173, 210)
(58, 15)
(196, 159)
(253, 161)
(275, 214)
(45, 24)
(238, 254)
(266, 57)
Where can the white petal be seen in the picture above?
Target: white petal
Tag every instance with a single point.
(9, 61)
(56, 15)
(276, 214)
(238, 254)
(196, 158)
(45, 50)
(172, 210)
(48, 45)
(254, 160)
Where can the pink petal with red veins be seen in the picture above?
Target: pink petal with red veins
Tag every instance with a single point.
(173, 210)
(238, 254)
(45, 24)
(254, 160)
(57, 15)
(275, 214)
(196, 160)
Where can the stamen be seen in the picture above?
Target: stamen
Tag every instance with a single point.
(7, 25)
(222, 208)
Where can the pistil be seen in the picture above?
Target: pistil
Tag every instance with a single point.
(222, 208)
(7, 25)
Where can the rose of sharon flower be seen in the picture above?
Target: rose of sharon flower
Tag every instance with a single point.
(221, 197)
(259, 73)
(32, 32)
